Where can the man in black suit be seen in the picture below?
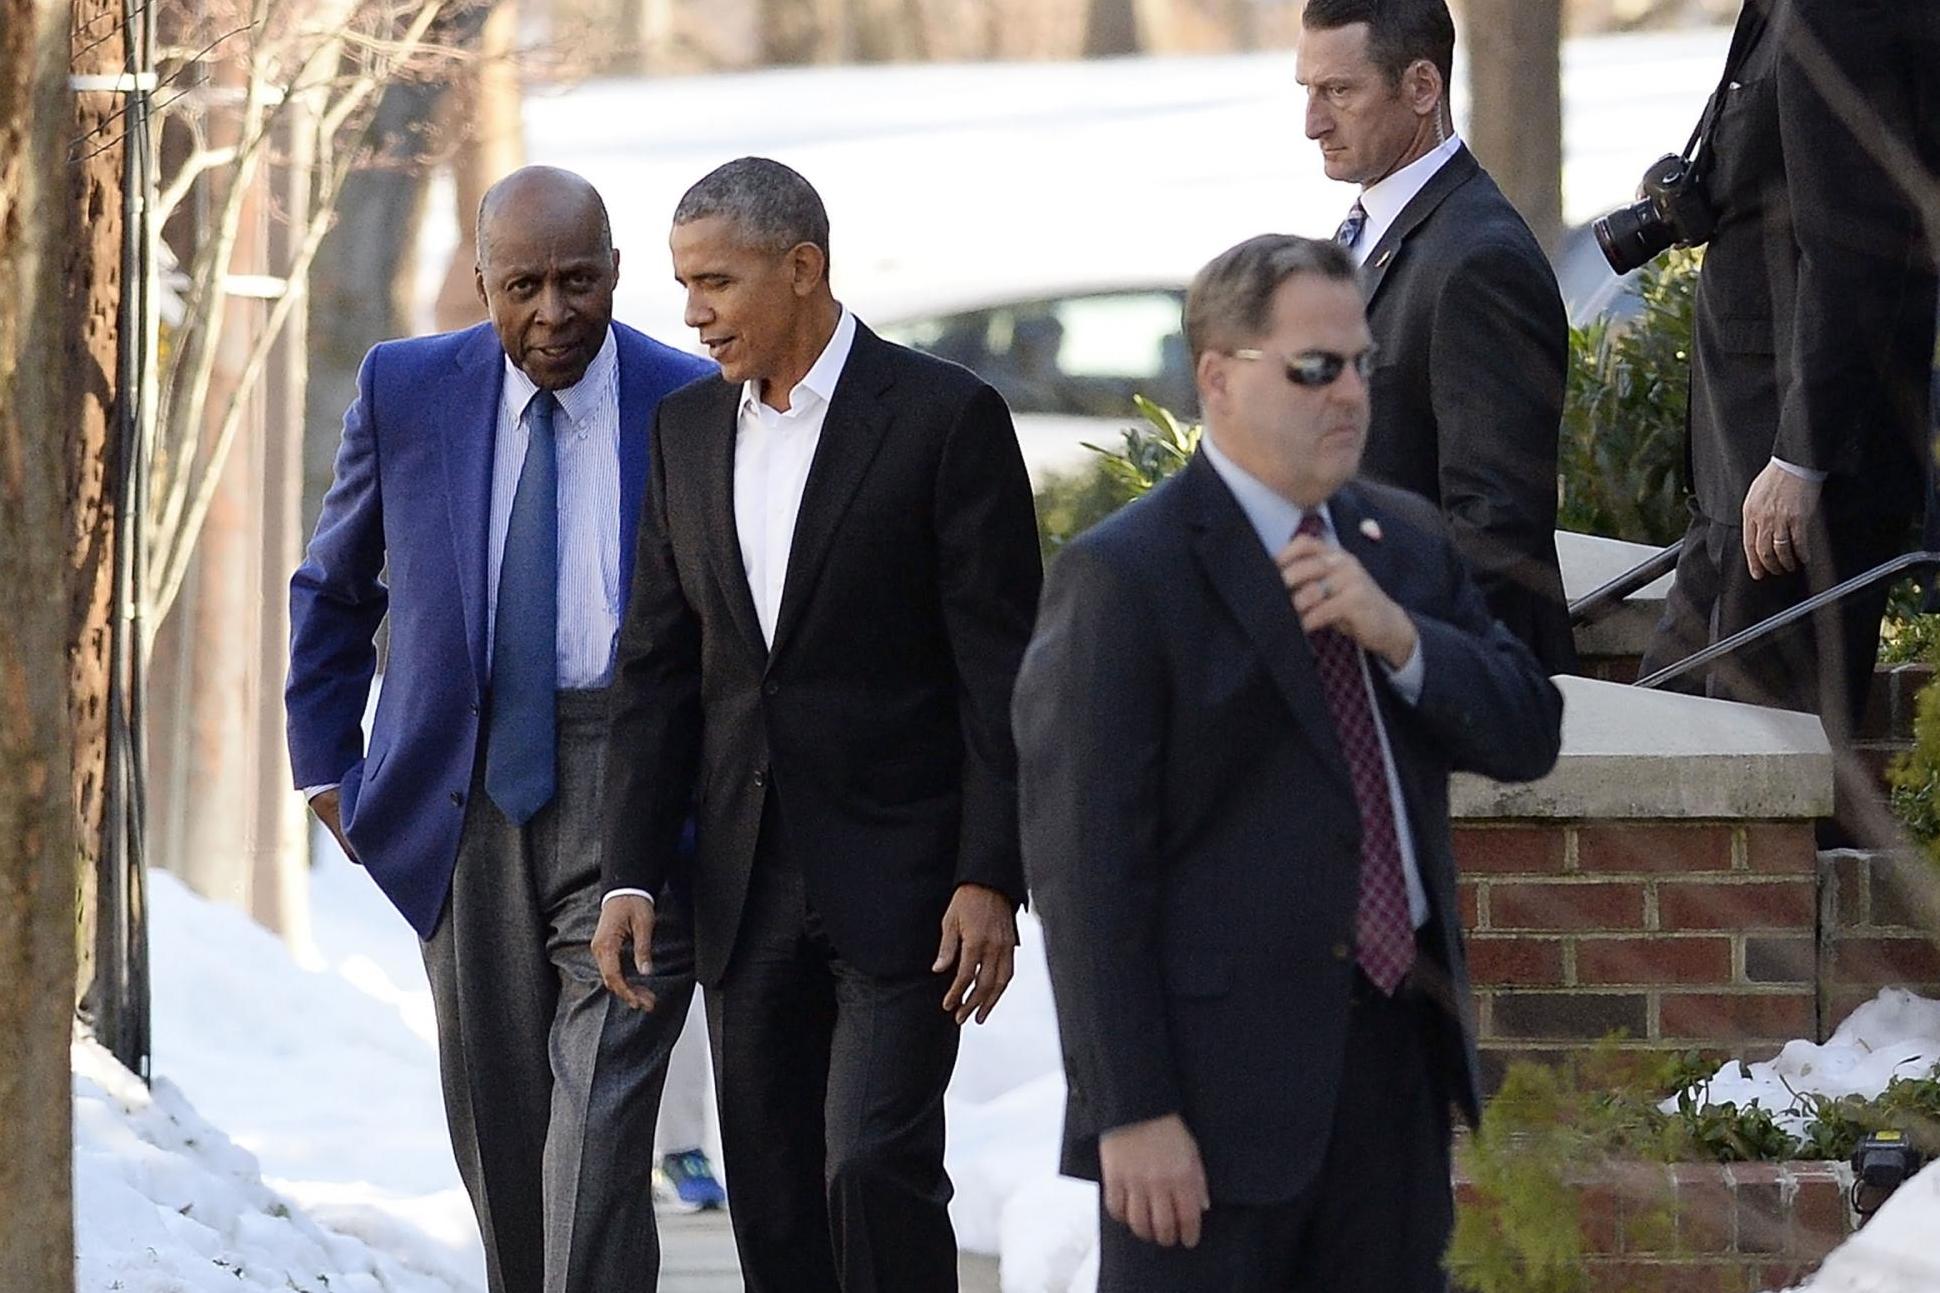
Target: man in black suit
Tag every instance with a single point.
(833, 591)
(1236, 726)
(1470, 336)
(1814, 338)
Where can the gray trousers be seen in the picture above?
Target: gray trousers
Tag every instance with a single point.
(551, 1085)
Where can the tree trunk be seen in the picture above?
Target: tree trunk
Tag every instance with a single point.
(1516, 104)
(92, 273)
(1111, 28)
(484, 109)
(43, 526)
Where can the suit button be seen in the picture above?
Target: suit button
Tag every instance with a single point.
(1342, 951)
(474, 708)
(773, 689)
(760, 778)
(457, 799)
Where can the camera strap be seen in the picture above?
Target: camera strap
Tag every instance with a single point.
(1751, 25)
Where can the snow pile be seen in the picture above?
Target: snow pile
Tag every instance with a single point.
(327, 1074)
(165, 1202)
(1896, 1034)
(1896, 1252)
(1006, 1116)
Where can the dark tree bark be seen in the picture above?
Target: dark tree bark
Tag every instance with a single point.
(1516, 97)
(51, 546)
(92, 274)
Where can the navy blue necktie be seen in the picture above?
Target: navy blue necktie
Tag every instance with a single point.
(519, 753)
(1349, 232)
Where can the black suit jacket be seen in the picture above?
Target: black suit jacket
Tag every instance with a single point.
(1815, 306)
(1190, 831)
(880, 719)
(1472, 343)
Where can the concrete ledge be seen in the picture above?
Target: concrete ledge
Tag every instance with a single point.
(1590, 561)
(1645, 754)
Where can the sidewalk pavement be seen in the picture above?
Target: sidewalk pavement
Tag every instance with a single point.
(697, 1256)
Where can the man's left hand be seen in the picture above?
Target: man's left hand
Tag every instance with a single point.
(980, 940)
(1778, 512)
(1331, 589)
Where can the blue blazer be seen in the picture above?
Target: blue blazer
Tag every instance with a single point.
(411, 502)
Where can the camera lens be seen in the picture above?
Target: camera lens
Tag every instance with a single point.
(1633, 236)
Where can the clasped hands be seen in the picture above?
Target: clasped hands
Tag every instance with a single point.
(979, 942)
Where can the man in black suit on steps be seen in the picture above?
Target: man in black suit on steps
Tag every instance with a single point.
(1237, 722)
(1470, 336)
(834, 586)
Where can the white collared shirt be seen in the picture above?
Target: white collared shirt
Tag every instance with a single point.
(586, 436)
(1385, 199)
(772, 454)
(1275, 519)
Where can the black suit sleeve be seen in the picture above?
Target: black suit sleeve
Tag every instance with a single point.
(1496, 374)
(1483, 694)
(989, 575)
(1847, 107)
(654, 740)
(1090, 715)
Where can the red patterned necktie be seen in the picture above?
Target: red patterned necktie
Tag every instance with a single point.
(1384, 931)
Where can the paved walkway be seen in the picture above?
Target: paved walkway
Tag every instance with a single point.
(697, 1256)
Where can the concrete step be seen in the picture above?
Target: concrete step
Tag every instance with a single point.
(697, 1256)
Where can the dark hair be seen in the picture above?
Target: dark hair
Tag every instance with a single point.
(774, 206)
(1398, 32)
(1229, 300)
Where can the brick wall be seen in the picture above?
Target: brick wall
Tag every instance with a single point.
(1876, 914)
(1707, 1227)
(1679, 934)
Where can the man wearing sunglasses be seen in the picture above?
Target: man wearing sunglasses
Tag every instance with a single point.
(1236, 725)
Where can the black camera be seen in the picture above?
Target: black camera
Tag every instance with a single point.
(1671, 210)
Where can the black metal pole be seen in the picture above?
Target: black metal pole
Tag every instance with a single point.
(118, 1000)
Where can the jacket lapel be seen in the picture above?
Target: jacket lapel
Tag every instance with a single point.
(722, 426)
(851, 434)
(1229, 550)
(470, 443)
(1457, 171)
(636, 431)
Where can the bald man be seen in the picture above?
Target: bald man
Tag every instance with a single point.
(496, 476)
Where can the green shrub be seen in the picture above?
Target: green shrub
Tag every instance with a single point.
(1070, 503)
(1621, 459)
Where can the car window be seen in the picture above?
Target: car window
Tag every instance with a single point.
(1077, 355)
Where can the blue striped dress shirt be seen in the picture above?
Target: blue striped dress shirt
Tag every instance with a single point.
(587, 431)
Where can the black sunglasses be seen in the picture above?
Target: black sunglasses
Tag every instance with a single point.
(1317, 368)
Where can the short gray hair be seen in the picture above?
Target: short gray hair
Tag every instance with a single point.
(1228, 304)
(772, 204)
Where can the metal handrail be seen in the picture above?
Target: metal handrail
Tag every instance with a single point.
(1593, 606)
(1764, 628)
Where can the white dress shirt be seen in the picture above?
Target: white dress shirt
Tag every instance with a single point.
(1385, 199)
(772, 455)
(1275, 519)
(586, 440)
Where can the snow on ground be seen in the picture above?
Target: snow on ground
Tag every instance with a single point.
(165, 1202)
(1896, 1252)
(1896, 1034)
(327, 1073)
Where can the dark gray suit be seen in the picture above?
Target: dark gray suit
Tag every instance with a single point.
(1814, 334)
(1472, 344)
(1193, 846)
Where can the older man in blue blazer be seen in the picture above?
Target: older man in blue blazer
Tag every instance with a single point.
(486, 496)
